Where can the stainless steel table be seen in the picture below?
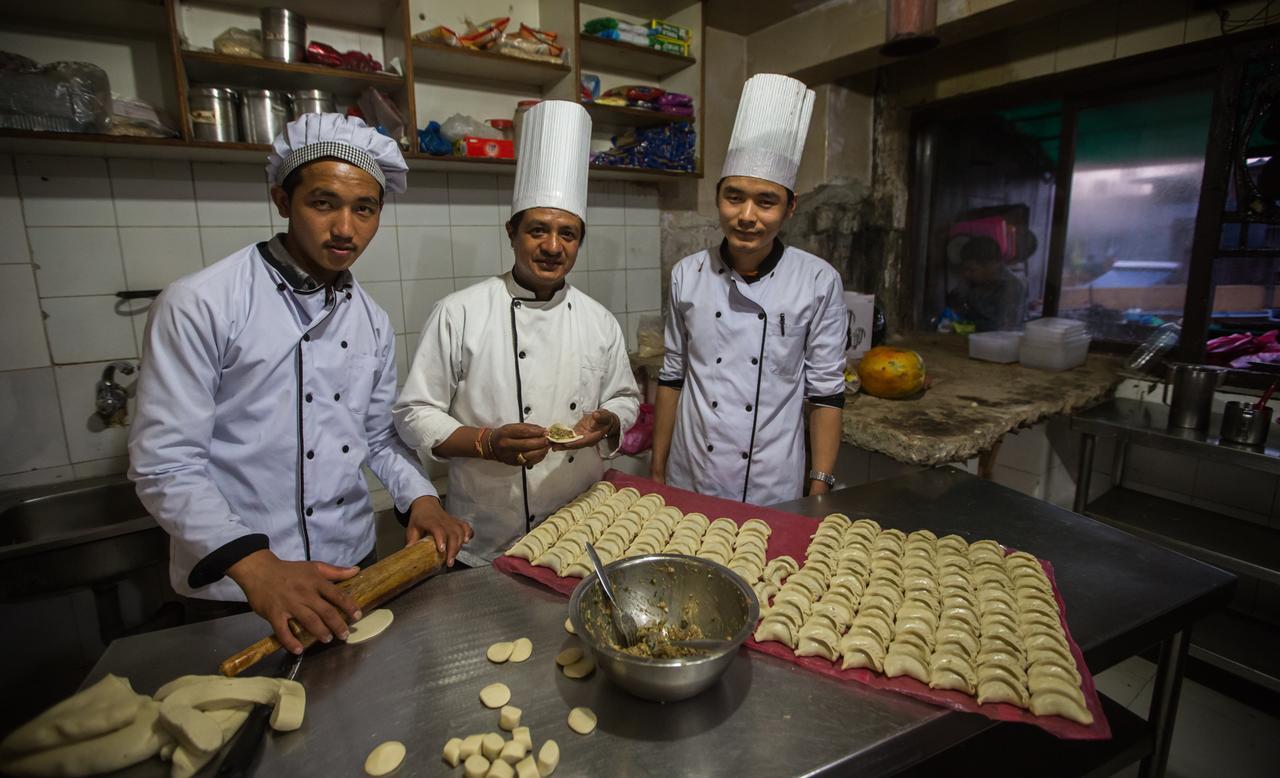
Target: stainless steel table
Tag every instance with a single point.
(419, 682)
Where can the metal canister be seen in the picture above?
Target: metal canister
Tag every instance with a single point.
(1193, 387)
(1245, 424)
(213, 114)
(263, 114)
(312, 101)
(284, 35)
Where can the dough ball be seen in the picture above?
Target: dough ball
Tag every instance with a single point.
(491, 745)
(495, 695)
(582, 720)
(548, 758)
(453, 752)
(509, 717)
(386, 756)
(475, 766)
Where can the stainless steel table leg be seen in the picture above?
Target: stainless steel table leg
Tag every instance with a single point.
(1084, 469)
(1122, 458)
(1164, 702)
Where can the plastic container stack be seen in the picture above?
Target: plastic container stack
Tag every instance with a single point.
(1054, 344)
(995, 346)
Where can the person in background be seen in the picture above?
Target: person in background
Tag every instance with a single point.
(502, 360)
(756, 331)
(267, 385)
(988, 294)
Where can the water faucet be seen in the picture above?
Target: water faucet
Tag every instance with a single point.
(111, 402)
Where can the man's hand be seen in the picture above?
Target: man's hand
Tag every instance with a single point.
(520, 444)
(427, 517)
(594, 427)
(303, 591)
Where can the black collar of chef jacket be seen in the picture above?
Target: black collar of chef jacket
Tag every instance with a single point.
(299, 280)
(766, 267)
(519, 291)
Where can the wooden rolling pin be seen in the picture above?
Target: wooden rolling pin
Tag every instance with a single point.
(370, 587)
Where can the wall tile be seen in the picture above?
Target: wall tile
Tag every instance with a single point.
(506, 255)
(231, 195)
(644, 290)
(77, 260)
(609, 288)
(39, 477)
(13, 239)
(425, 203)
(606, 204)
(218, 243)
(425, 252)
(644, 248)
(402, 359)
(1024, 450)
(475, 251)
(381, 258)
(23, 345)
(631, 326)
(420, 297)
(1027, 483)
(641, 204)
(606, 248)
(65, 192)
(87, 329)
(155, 257)
(88, 437)
(462, 282)
(505, 194)
(153, 193)
(96, 468)
(387, 295)
(473, 199)
(31, 422)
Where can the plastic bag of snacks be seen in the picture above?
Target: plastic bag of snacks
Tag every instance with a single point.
(440, 34)
(635, 93)
(486, 33)
(235, 42)
(527, 48)
(542, 36)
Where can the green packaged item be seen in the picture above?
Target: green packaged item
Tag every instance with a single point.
(668, 45)
(597, 26)
(669, 30)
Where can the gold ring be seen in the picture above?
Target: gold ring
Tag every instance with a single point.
(520, 458)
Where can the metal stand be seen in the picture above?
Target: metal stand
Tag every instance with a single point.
(1084, 470)
(1164, 702)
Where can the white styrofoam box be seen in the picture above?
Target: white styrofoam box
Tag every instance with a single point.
(65, 192)
(1053, 357)
(387, 295)
(13, 243)
(425, 252)
(473, 199)
(606, 248)
(380, 260)
(425, 203)
(23, 345)
(644, 290)
(420, 297)
(995, 346)
(218, 243)
(641, 204)
(606, 205)
(153, 192)
(31, 420)
(155, 257)
(609, 288)
(87, 329)
(231, 195)
(88, 438)
(475, 251)
(862, 314)
(644, 248)
(76, 260)
(1054, 329)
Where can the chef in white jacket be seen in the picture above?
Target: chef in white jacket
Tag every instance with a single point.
(755, 332)
(266, 385)
(502, 360)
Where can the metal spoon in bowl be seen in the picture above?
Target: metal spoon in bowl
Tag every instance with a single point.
(623, 624)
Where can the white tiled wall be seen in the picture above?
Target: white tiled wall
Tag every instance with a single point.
(75, 230)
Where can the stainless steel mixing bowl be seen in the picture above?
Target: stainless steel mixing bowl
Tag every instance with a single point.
(668, 588)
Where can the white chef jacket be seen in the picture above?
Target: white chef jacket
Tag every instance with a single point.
(258, 404)
(745, 357)
(492, 355)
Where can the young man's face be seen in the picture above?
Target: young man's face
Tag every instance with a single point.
(333, 213)
(752, 211)
(546, 244)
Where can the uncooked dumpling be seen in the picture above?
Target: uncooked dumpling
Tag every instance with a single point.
(560, 433)
(371, 626)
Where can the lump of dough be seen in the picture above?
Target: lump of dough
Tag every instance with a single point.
(499, 652)
(491, 745)
(128, 745)
(548, 758)
(470, 747)
(104, 707)
(290, 708)
(475, 766)
(495, 695)
(500, 769)
(371, 626)
(513, 751)
(582, 720)
(385, 757)
(522, 735)
(568, 626)
(581, 668)
(509, 717)
(569, 656)
(527, 768)
(521, 650)
(453, 752)
(195, 731)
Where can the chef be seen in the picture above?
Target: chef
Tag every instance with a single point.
(267, 385)
(755, 332)
(502, 360)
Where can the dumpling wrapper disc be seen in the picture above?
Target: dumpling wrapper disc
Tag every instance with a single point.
(370, 626)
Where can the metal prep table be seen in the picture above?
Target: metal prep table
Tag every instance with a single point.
(419, 682)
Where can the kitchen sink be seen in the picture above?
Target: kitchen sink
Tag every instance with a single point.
(87, 533)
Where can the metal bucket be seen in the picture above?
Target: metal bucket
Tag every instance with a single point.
(263, 114)
(312, 101)
(284, 35)
(213, 114)
(1244, 424)
(1193, 387)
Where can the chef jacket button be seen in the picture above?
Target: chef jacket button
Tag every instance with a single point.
(570, 460)
(530, 517)
(522, 355)
(573, 406)
(341, 500)
(528, 467)
(527, 410)
(307, 337)
(516, 303)
(717, 360)
(311, 455)
(748, 406)
(760, 316)
(348, 295)
(337, 396)
(717, 314)
(309, 511)
(745, 455)
(344, 344)
(720, 271)
(755, 361)
(280, 286)
(308, 396)
(710, 447)
(345, 449)
(715, 403)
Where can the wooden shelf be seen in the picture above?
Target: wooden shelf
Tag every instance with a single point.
(617, 116)
(439, 59)
(640, 173)
(619, 57)
(372, 14)
(208, 69)
(647, 9)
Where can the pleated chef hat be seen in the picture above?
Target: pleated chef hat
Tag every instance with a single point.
(314, 136)
(555, 152)
(769, 131)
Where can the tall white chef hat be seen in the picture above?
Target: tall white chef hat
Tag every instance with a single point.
(769, 131)
(555, 153)
(314, 136)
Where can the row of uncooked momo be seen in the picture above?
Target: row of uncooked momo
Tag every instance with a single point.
(624, 523)
(954, 615)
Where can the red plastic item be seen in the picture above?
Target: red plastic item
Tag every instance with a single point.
(323, 54)
(486, 147)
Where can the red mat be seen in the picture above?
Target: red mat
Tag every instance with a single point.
(791, 535)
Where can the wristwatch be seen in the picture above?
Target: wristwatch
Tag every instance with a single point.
(826, 478)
